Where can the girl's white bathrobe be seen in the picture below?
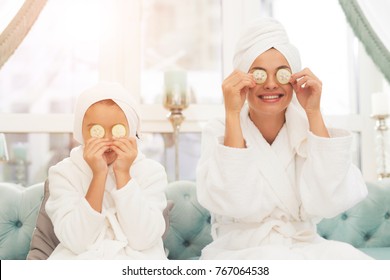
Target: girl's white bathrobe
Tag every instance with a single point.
(266, 199)
(131, 223)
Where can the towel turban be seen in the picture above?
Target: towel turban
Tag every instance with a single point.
(102, 91)
(260, 36)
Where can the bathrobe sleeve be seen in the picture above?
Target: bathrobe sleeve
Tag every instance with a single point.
(76, 224)
(227, 178)
(330, 183)
(140, 204)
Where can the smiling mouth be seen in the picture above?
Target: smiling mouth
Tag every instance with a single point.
(272, 97)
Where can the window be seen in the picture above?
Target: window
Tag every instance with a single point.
(57, 59)
(183, 35)
(325, 48)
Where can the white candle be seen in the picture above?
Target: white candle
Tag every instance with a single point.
(175, 85)
(19, 151)
(380, 103)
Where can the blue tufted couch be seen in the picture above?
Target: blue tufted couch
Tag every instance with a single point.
(366, 226)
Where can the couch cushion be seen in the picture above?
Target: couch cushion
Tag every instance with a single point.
(189, 229)
(44, 240)
(365, 225)
(19, 209)
(379, 253)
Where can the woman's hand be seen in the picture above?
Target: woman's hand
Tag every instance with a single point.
(235, 87)
(126, 150)
(94, 154)
(308, 89)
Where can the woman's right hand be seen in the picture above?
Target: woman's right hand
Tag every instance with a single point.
(94, 154)
(235, 87)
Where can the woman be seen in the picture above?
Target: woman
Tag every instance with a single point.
(107, 200)
(272, 170)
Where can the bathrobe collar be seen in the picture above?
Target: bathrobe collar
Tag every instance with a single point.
(271, 162)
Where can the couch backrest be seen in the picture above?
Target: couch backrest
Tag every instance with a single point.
(18, 214)
(365, 225)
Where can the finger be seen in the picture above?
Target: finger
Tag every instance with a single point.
(126, 145)
(123, 146)
(233, 78)
(302, 73)
(97, 148)
(300, 82)
(129, 154)
(133, 142)
(314, 85)
(236, 77)
(93, 141)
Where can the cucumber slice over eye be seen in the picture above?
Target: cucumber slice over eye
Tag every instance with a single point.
(118, 130)
(97, 131)
(260, 76)
(283, 76)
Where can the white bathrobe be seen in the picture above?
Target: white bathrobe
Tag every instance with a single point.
(266, 199)
(131, 223)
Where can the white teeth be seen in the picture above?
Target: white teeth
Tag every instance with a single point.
(269, 96)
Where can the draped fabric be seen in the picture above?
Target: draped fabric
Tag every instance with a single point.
(19, 27)
(368, 20)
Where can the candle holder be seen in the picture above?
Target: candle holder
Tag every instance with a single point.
(176, 99)
(382, 146)
(3, 149)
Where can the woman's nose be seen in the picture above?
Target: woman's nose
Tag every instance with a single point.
(271, 82)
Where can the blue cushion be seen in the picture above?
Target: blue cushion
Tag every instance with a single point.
(18, 215)
(378, 253)
(189, 229)
(365, 225)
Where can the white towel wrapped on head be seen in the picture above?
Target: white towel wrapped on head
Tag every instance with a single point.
(102, 91)
(260, 36)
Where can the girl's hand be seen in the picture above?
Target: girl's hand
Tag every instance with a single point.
(126, 150)
(235, 87)
(94, 154)
(308, 89)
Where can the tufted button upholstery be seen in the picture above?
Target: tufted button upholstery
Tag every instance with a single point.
(365, 225)
(18, 215)
(189, 229)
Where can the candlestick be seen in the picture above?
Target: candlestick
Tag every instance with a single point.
(382, 146)
(3, 148)
(176, 100)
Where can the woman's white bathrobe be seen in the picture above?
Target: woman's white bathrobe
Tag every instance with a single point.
(266, 199)
(131, 223)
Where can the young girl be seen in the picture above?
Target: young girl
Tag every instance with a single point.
(107, 200)
(272, 170)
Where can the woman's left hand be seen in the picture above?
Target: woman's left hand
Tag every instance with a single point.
(308, 89)
(126, 150)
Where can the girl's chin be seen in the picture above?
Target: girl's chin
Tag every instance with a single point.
(110, 159)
